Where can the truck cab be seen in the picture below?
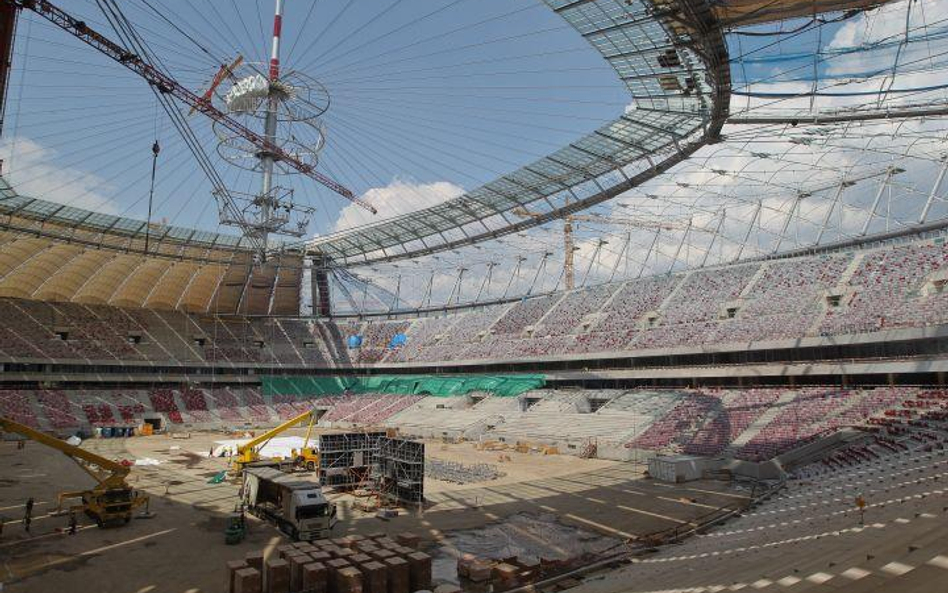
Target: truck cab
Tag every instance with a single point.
(314, 515)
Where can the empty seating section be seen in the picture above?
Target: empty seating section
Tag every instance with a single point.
(225, 404)
(885, 290)
(805, 417)
(57, 408)
(701, 295)
(524, 314)
(230, 344)
(450, 416)
(99, 414)
(753, 424)
(622, 316)
(101, 334)
(196, 405)
(38, 333)
(253, 402)
(809, 536)
(425, 333)
(130, 405)
(18, 407)
(290, 406)
(884, 287)
(377, 337)
(670, 432)
(177, 332)
(786, 298)
(738, 411)
(569, 313)
(870, 403)
(301, 341)
(162, 400)
(368, 409)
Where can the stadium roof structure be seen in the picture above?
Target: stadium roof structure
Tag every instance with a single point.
(772, 141)
(58, 253)
(672, 57)
(36, 213)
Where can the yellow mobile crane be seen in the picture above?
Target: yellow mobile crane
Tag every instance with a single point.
(111, 501)
(306, 457)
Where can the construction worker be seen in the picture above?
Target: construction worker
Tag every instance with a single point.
(28, 516)
(73, 523)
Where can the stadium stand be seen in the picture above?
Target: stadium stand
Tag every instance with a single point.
(791, 541)
(18, 406)
(754, 424)
(886, 287)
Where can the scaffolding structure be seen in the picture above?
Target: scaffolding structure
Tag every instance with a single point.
(400, 476)
(347, 460)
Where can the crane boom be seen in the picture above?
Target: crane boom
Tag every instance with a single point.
(112, 470)
(306, 456)
(166, 84)
(112, 500)
(252, 443)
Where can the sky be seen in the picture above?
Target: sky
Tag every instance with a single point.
(431, 98)
(427, 99)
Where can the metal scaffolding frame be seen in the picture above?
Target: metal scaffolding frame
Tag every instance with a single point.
(347, 459)
(400, 474)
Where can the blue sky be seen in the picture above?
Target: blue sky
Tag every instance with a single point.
(428, 98)
(431, 98)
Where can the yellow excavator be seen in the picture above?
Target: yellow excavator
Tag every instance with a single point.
(111, 501)
(306, 457)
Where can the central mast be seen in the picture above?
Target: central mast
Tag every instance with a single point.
(270, 123)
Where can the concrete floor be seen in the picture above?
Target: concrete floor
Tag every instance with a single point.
(181, 549)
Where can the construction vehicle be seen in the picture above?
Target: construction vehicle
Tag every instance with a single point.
(295, 505)
(306, 457)
(112, 501)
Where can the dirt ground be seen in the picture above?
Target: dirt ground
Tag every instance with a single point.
(574, 503)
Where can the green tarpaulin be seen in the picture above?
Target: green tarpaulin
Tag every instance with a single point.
(498, 385)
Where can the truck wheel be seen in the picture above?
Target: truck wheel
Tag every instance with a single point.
(311, 466)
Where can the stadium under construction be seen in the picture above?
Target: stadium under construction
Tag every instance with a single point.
(596, 296)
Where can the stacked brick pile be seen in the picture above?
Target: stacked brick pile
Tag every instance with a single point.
(353, 564)
(502, 575)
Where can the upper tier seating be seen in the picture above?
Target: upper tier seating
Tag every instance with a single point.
(886, 289)
(892, 286)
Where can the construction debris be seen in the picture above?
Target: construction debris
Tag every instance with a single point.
(460, 473)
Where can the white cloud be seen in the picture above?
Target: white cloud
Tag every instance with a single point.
(398, 197)
(32, 169)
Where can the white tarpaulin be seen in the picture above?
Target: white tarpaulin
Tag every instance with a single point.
(275, 447)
